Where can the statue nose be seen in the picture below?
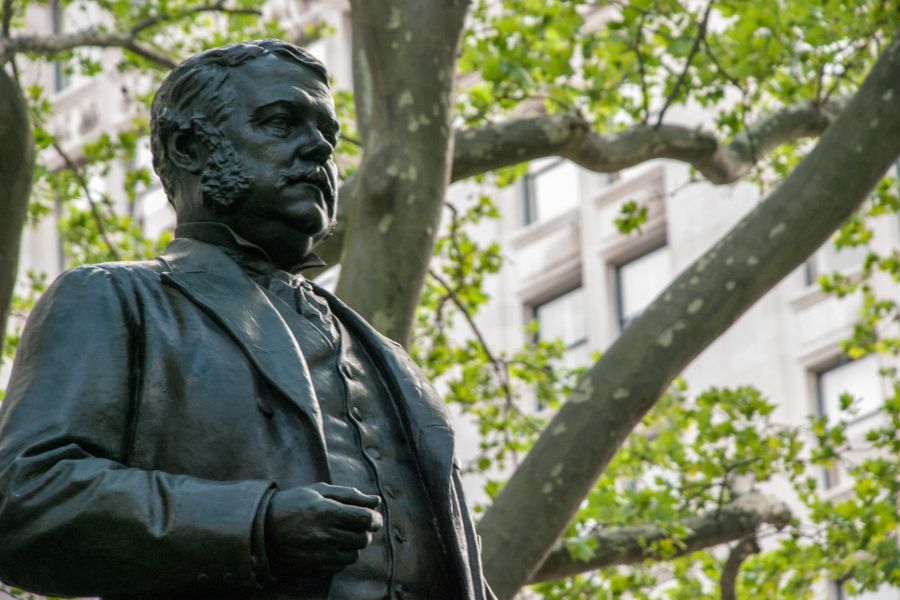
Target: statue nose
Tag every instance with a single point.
(314, 148)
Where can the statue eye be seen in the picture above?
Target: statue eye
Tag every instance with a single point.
(280, 124)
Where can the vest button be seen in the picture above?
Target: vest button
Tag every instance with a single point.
(373, 452)
(399, 535)
(346, 371)
(264, 407)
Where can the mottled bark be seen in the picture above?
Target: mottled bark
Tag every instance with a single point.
(490, 147)
(16, 165)
(631, 545)
(821, 193)
(404, 60)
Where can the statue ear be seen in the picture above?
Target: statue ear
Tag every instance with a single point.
(186, 151)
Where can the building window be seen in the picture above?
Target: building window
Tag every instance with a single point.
(66, 17)
(639, 281)
(837, 590)
(859, 378)
(61, 79)
(563, 318)
(550, 189)
(885, 592)
(829, 259)
(862, 380)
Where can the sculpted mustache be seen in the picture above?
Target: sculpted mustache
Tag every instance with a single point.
(315, 175)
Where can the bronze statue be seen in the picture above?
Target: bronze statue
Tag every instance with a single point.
(211, 424)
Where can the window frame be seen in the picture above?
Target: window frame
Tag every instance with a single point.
(836, 363)
(617, 280)
(832, 476)
(530, 214)
(61, 80)
(534, 307)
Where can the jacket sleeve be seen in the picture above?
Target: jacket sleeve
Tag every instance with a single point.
(74, 518)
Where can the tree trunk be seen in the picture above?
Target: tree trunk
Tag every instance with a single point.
(404, 59)
(821, 193)
(16, 168)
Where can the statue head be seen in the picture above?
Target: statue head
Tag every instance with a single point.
(244, 135)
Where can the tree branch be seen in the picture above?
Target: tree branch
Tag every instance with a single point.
(738, 554)
(697, 307)
(632, 545)
(499, 365)
(7, 17)
(95, 209)
(53, 44)
(61, 42)
(848, 65)
(215, 7)
(482, 149)
(468, 317)
(701, 35)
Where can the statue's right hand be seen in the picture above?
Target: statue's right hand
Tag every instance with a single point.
(318, 529)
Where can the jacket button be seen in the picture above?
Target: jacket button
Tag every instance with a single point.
(357, 413)
(392, 491)
(228, 578)
(400, 593)
(399, 535)
(373, 452)
(346, 371)
(202, 578)
(264, 407)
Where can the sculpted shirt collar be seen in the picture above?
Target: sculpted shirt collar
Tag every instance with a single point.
(247, 254)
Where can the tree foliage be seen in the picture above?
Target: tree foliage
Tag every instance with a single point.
(682, 510)
(694, 456)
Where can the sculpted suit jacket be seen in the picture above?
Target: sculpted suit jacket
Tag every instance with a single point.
(151, 407)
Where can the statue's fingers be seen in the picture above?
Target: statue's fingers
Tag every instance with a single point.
(355, 518)
(348, 495)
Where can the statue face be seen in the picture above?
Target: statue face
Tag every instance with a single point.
(283, 131)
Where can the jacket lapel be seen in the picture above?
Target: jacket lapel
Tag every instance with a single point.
(216, 283)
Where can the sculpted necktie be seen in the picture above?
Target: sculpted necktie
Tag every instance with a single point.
(298, 293)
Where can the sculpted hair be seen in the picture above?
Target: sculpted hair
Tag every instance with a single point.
(197, 95)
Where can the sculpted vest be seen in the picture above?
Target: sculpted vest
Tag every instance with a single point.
(368, 449)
